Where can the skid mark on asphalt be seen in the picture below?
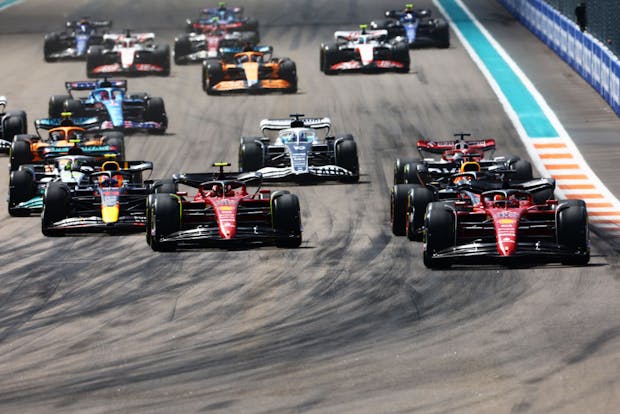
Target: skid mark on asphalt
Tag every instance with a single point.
(549, 145)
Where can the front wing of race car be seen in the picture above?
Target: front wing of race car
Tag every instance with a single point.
(96, 224)
(243, 85)
(135, 125)
(211, 235)
(135, 69)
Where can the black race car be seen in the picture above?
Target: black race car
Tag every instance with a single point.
(74, 41)
(417, 26)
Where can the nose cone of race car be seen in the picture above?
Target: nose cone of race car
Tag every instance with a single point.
(251, 72)
(506, 229)
(366, 54)
(109, 214)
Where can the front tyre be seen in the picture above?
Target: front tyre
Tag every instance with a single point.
(165, 219)
(286, 219)
(439, 229)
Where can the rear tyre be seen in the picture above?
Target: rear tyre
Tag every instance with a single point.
(155, 111)
(116, 139)
(418, 198)
(51, 45)
(56, 105)
(182, 48)
(410, 173)
(573, 232)
(56, 206)
(165, 220)
(399, 170)
(286, 219)
(20, 152)
(251, 157)
(165, 186)
(94, 59)
(74, 106)
(439, 231)
(21, 188)
(346, 157)
(398, 208)
(14, 123)
(523, 170)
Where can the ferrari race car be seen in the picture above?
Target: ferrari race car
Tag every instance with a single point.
(27, 184)
(364, 50)
(453, 153)
(252, 71)
(11, 123)
(225, 18)
(110, 199)
(408, 202)
(66, 136)
(74, 41)
(109, 101)
(222, 212)
(215, 43)
(416, 25)
(505, 226)
(128, 54)
(298, 153)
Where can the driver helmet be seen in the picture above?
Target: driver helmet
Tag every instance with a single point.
(499, 199)
(56, 135)
(470, 166)
(409, 8)
(216, 190)
(104, 95)
(229, 191)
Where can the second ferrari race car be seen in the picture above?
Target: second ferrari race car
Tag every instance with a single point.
(222, 212)
(66, 136)
(225, 18)
(74, 41)
(111, 199)
(299, 153)
(416, 25)
(505, 226)
(128, 54)
(11, 123)
(252, 71)
(364, 50)
(215, 43)
(109, 101)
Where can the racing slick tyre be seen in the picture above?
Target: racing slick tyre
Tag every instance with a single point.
(286, 219)
(346, 157)
(20, 152)
(418, 198)
(288, 72)
(251, 157)
(115, 139)
(399, 169)
(400, 53)
(56, 105)
(14, 123)
(572, 231)
(345, 137)
(165, 220)
(94, 59)
(155, 111)
(51, 44)
(328, 58)
(523, 170)
(398, 208)
(212, 74)
(74, 106)
(21, 188)
(165, 186)
(161, 57)
(442, 31)
(439, 228)
(182, 48)
(56, 206)
(410, 172)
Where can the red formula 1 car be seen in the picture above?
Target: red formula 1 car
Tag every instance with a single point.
(222, 212)
(504, 226)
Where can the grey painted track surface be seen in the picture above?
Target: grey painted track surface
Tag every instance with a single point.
(350, 322)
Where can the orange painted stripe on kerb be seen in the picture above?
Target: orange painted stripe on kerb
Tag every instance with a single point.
(556, 156)
(604, 213)
(584, 196)
(595, 220)
(577, 186)
(600, 205)
(553, 145)
(570, 176)
(562, 166)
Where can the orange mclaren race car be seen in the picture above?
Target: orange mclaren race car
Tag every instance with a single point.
(249, 71)
(66, 136)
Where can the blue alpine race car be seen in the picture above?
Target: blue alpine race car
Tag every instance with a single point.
(109, 101)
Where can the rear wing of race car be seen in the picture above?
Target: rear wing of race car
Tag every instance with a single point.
(350, 35)
(94, 23)
(439, 147)
(297, 121)
(83, 122)
(90, 85)
(139, 37)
